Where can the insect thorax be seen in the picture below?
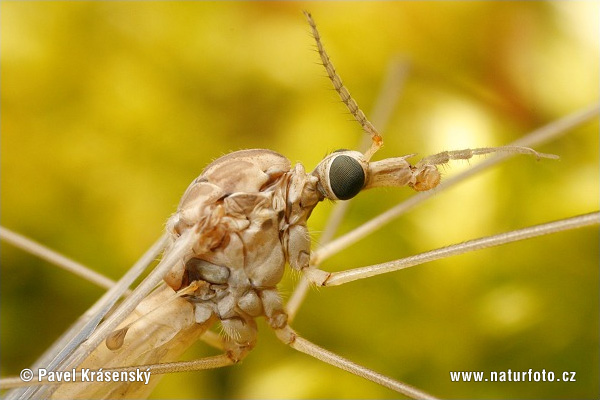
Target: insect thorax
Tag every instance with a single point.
(251, 209)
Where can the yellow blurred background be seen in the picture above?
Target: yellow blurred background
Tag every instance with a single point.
(110, 109)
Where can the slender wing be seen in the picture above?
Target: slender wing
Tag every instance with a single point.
(161, 328)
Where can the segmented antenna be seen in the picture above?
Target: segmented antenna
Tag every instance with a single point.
(350, 103)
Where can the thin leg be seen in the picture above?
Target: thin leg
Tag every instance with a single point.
(291, 338)
(35, 248)
(323, 278)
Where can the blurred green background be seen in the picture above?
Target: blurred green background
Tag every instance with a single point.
(110, 109)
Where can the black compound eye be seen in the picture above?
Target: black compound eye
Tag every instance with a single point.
(346, 177)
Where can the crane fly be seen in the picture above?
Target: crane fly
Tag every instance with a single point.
(236, 227)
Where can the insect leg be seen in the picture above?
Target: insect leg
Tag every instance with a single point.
(322, 278)
(35, 248)
(291, 338)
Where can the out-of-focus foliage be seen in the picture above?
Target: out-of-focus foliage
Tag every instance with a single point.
(110, 109)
